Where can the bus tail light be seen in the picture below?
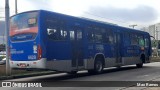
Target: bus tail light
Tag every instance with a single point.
(39, 52)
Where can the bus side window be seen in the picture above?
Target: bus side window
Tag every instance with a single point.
(52, 33)
(90, 35)
(146, 42)
(134, 39)
(141, 41)
(79, 35)
(63, 34)
(72, 36)
(98, 35)
(56, 30)
(126, 39)
(107, 37)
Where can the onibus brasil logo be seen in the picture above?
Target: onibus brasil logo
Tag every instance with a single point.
(21, 84)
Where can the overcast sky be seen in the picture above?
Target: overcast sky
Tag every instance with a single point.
(121, 12)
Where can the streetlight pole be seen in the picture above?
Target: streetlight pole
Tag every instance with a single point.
(8, 72)
(132, 25)
(3, 39)
(157, 31)
(16, 9)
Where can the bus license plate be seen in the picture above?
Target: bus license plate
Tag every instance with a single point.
(22, 65)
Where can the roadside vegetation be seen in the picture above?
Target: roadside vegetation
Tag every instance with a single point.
(21, 73)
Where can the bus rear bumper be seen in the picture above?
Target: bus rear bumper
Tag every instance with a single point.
(37, 64)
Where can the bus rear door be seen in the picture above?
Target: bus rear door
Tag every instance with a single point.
(76, 47)
(118, 41)
(147, 47)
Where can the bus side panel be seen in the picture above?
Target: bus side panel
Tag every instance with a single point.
(42, 32)
(57, 53)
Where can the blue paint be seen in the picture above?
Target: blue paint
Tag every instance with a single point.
(63, 49)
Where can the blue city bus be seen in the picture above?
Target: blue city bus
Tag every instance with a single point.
(47, 40)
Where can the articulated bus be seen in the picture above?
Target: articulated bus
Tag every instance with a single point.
(47, 40)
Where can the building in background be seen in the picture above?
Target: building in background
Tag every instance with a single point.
(157, 30)
(153, 30)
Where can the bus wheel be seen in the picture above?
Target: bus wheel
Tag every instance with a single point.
(118, 67)
(72, 72)
(139, 65)
(91, 71)
(98, 66)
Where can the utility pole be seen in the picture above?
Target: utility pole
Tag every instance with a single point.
(8, 71)
(16, 9)
(157, 31)
(133, 25)
(3, 39)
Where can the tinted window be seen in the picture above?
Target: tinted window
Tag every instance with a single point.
(24, 20)
(108, 36)
(126, 39)
(24, 26)
(72, 35)
(134, 39)
(100, 35)
(56, 30)
(79, 35)
(90, 34)
(146, 42)
(141, 41)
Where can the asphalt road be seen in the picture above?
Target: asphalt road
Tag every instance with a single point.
(150, 72)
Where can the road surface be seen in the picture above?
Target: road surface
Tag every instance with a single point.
(150, 72)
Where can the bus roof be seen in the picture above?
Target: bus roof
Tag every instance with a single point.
(89, 20)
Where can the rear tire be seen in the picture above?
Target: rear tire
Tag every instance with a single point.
(142, 58)
(139, 65)
(98, 67)
(118, 67)
(72, 72)
(91, 71)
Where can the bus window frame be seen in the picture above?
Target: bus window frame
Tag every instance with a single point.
(59, 24)
(37, 25)
(141, 37)
(103, 31)
(134, 36)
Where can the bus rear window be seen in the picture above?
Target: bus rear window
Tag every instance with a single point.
(24, 26)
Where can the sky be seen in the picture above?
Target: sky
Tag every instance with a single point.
(121, 12)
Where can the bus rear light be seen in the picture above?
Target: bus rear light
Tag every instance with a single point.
(39, 52)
